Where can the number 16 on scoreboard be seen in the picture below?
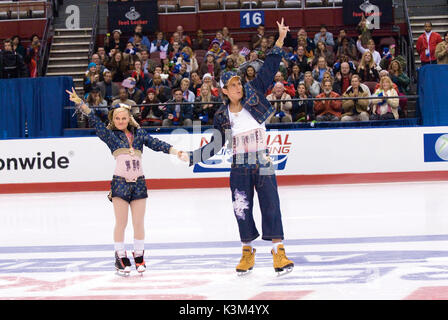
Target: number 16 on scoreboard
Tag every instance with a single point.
(251, 19)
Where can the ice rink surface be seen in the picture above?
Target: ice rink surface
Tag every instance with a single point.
(361, 241)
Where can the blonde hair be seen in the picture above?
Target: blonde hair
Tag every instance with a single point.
(391, 83)
(123, 108)
(363, 63)
(206, 98)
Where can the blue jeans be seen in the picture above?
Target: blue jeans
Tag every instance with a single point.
(244, 179)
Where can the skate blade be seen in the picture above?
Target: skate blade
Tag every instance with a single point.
(284, 271)
(123, 273)
(243, 273)
(141, 270)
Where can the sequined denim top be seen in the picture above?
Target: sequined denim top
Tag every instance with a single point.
(254, 101)
(116, 139)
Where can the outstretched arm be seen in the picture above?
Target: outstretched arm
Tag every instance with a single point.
(100, 128)
(266, 74)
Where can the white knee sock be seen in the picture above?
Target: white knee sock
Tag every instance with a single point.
(139, 247)
(119, 248)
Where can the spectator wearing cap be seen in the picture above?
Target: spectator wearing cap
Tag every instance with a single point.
(124, 98)
(219, 53)
(108, 89)
(134, 93)
(282, 112)
(210, 66)
(115, 42)
(91, 77)
(208, 80)
(442, 50)
(177, 113)
(152, 115)
(96, 102)
(223, 44)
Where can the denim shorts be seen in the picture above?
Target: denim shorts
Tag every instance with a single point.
(128, 191)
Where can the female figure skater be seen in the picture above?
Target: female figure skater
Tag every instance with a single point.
(125, 139)
(242, 121)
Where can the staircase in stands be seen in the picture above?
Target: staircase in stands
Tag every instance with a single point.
(69, 55)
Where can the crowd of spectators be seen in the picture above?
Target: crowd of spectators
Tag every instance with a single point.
(18, 61)
(180, 69)
(164, 78)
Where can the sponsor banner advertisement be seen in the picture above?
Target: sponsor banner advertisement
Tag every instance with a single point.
(294, 153)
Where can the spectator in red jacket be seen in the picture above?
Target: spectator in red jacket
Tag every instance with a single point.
(426, 45)
(289, 87)
(328, 110)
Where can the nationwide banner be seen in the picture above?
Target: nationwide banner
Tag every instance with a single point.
(377, 12)
(126, 15)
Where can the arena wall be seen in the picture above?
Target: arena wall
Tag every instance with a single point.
(333, 156)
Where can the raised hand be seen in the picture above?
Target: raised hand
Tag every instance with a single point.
(74, 97)
(282, 30)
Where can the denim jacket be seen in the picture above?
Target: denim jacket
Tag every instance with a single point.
(254, 101)
(116, 139)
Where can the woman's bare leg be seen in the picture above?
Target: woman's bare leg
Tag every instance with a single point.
(121, 209)
(138, 208)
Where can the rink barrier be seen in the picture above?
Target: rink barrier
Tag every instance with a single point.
(301, 157)
(206, 183)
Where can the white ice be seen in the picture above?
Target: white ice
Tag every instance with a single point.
(361, 241)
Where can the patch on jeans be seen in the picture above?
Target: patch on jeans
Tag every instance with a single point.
(240, 204)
